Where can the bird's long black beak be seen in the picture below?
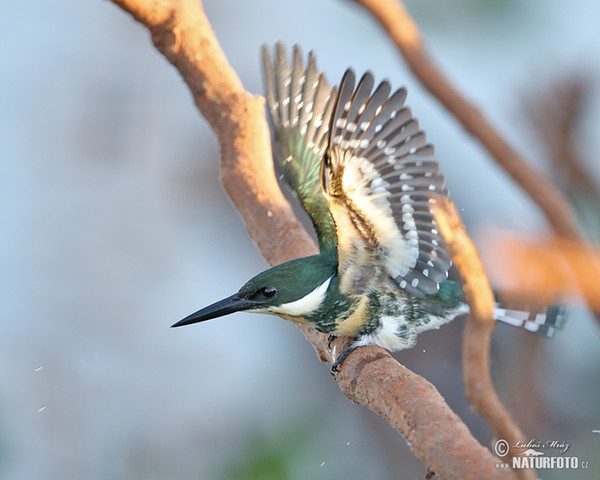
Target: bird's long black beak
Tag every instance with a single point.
(224, 307)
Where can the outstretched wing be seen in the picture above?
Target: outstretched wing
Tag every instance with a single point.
(301, 103)
(381, 186)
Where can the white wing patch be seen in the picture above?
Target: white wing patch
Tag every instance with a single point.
(401, 255)
(305, 305)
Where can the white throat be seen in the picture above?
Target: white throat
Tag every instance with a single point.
(305, 305)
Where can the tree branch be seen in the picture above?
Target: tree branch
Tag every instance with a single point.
(182, 33)
(369, 376)
(479, 388)
(528, 271)
(397, 22)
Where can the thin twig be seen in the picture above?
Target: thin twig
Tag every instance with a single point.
(369, 376)
(479, 388)
(397, 22)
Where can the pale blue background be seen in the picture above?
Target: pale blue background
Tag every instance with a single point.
(114, 226)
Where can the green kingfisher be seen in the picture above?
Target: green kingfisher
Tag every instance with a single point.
(359, 164)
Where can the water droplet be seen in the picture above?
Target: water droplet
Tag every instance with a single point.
(42, 408)
(348, 444)
(423, 350)
(323, 463)
(39, 368)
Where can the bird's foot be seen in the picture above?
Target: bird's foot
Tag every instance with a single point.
(340, 359)
(330, 339)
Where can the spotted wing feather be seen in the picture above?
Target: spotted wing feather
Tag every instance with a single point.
(381, 185)
(300, 104)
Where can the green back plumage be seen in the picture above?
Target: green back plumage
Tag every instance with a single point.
(300, 103)
(449, 298)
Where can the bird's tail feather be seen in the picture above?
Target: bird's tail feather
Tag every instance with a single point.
(541, 320)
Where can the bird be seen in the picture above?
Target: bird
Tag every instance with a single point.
(359, 164)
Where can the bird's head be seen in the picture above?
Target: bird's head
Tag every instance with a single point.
(291, 290)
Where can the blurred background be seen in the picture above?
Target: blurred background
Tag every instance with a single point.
(114, 226)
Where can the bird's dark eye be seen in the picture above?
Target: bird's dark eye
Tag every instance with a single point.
(268, 291)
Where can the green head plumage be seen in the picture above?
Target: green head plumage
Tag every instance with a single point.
(291, 290)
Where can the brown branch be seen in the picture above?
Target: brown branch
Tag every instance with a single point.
(395, 19)
(369, 376)
(528, 270)
(479, 388)
(182, 33)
